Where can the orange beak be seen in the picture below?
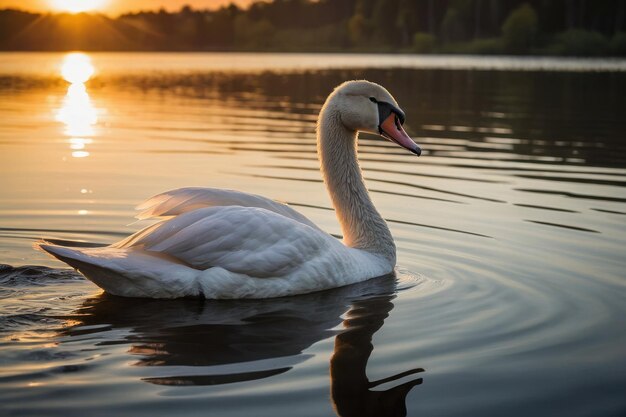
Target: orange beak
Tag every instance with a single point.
(391, 129)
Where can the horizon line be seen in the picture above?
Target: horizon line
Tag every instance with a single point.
(116, 15)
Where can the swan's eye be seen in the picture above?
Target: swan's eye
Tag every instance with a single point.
(373, 100)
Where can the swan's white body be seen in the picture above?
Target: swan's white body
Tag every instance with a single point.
(228, 244)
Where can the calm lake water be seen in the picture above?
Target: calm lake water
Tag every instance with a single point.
(510, 293)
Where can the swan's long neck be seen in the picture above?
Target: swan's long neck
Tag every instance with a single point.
(361, 224)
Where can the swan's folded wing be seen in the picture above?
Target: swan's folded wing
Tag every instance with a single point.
(184, 200)
(247, 240)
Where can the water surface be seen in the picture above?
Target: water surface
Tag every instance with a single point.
(509, 294)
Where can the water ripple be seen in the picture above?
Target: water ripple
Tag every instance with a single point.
(492, 305)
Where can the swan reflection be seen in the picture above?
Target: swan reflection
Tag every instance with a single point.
(200, 342)
(77, 111)
(351, 391)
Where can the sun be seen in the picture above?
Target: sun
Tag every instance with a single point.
(77, 6)
(77, 68)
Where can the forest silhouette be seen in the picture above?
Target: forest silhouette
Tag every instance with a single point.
(557, 27)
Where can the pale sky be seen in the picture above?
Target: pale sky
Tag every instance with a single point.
(115, 7)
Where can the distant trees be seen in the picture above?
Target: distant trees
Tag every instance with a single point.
(520, 29)
(564, 27)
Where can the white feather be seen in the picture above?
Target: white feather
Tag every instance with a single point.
(183, 200)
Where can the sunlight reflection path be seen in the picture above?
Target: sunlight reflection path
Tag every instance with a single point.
(78, 112)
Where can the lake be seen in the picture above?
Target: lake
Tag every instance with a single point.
(509, 295)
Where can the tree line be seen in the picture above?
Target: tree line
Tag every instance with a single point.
(555, 27)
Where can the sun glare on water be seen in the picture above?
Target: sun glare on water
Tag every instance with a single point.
(78, 113)
(77, 6)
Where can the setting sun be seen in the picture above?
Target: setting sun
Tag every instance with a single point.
(77, 68)
(77, 6)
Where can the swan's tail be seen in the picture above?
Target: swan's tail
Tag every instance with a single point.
(144, 274)
(69, 255)
(91, 267)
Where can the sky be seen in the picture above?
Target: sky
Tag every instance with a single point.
(116, 7)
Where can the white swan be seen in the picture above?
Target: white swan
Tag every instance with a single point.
(228, 244)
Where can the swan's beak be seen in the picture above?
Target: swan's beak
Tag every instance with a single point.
(391, 129)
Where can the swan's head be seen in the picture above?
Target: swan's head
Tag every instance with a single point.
(368, 107)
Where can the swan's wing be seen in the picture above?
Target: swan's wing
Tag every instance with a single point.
(246, 240)
(183, 200)
(223, 252)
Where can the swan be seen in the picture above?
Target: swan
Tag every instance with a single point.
(226, 244)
